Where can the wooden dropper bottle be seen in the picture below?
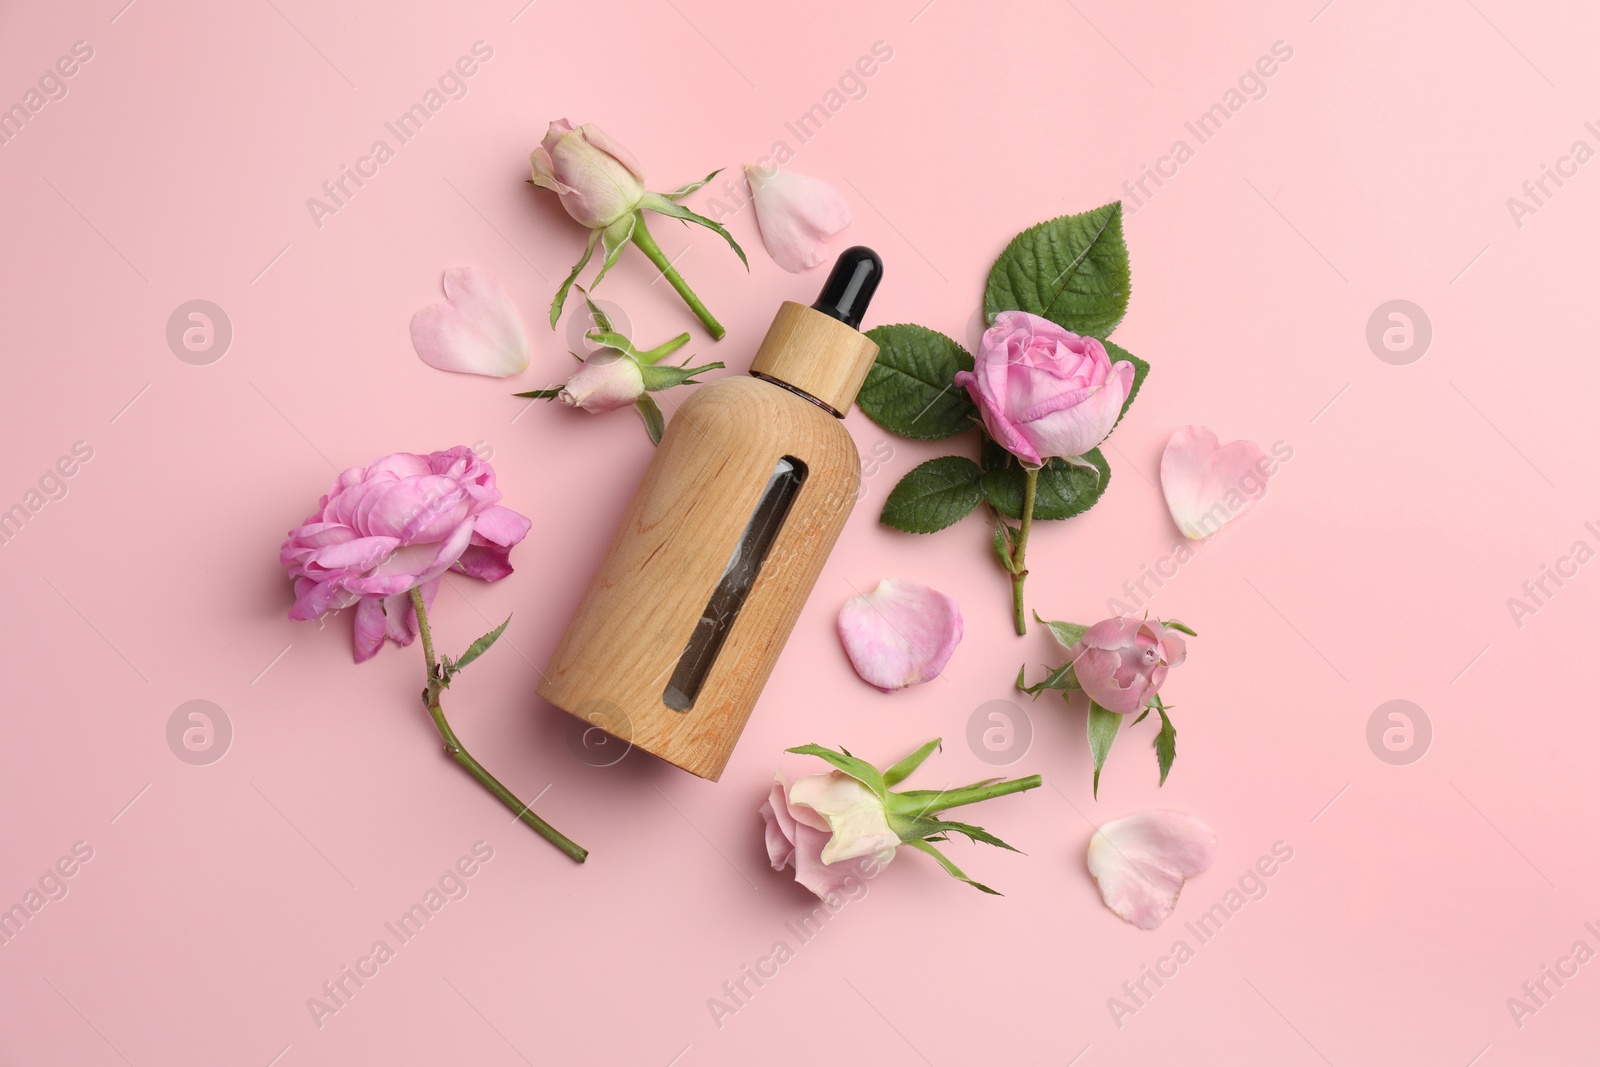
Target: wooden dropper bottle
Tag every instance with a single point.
(724, 538)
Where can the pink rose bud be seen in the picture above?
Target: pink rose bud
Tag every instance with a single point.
(1044, 391)
(596, 178)
(609, 379)
(394, 526)
(1122, 663)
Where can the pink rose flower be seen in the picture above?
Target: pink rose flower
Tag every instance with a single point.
(1122, 663)
(395, 526)
(1044, 391)
(830, 828)
(596, 178)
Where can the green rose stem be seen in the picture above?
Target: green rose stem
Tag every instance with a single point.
(430, 700)
(1019, 572)
(647, 245)
(922, 801)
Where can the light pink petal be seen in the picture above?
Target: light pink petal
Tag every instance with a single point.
(1100, 672)
(370, 627)
(796, 214)
(1207, 484)
(608, 380)
(779, 825)
(475, 329)
(1116, 632)
(1072, 431)
(501, 526)
(1142, 861)
(900, 634)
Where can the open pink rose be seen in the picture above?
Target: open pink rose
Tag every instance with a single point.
(394, 526)
(1044, 391)
(596, 178)
(827, 815)
(1122, 663)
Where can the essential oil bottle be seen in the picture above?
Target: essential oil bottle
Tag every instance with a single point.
(723, 540)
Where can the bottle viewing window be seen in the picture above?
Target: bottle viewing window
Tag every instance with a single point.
(737, 578)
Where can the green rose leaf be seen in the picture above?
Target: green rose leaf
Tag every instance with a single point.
(1166, 744)
(479, 647)
(911, 388)
(933, 495)
(1072, 270)
(859, 769)
(1103, 727)
(1065, 633)
(1141, 370)
(1065, 489)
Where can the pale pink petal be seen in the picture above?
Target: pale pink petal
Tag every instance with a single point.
(1098, 670)
(779, 826)
(608, 380)
(475, 329)
(1207, 484)
(899, 634)
(796, 215)
(1142, 861)
(1080, 419)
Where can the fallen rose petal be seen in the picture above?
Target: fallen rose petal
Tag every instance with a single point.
(899, 634)
(796, 214)
(1142, 861)
(475, 329)
(1207, 484)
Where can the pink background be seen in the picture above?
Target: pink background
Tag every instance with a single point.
(1420, 497)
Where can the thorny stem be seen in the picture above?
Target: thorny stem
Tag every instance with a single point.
(1019, 572)
(647, 245)
(452, 745)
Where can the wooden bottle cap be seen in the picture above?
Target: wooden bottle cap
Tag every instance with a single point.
(816, 354)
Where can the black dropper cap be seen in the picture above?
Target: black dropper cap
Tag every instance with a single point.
(849, 288)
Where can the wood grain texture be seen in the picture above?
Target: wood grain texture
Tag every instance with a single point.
(816, 354)
(668, 554)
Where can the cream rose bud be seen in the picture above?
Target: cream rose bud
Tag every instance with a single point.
(596, 178)
(607, 380)
(854, 813)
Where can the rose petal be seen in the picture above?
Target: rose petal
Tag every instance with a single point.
(475, 329)
(899, 634)
(1142, 861)
(608, 380)
(1207, 484)
(796, 836)
(795, 213)
(854, 814)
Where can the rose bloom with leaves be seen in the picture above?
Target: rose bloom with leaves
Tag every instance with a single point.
(1044, 390)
